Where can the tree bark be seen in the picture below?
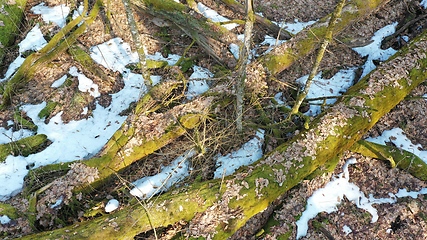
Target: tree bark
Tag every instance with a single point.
(252, 189)
(244, 56)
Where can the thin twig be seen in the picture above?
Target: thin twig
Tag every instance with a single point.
(326, 41)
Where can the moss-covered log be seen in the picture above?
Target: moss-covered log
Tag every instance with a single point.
(306, 41)
(10, 20)
(402, 159)
(23, 147)
(250, 191)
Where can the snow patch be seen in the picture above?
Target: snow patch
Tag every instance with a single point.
(246, 155)
(111, 205)
(214, 16)
(294, 27)
(324, 88)
(56, 14)
(197, 82)
(176, 171)
(4, 219)
(85, 84)
(327, 199)
(374, 51)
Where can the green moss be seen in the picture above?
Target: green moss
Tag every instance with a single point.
(11, 21)
(153, 64)
(220, 71)
(276, 63)
(23, 147)
(285, 236)
(24, 123)
(46, 111)
(166, 5)
(186, 64)
(79, 99)
(8, 210)
(39, 177)
(398, 158)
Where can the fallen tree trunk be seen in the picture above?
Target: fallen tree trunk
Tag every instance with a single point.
(10, 20)
(220, 207)
(308, 40)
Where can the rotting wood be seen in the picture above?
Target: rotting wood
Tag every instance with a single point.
(133, 141)
(252, 189)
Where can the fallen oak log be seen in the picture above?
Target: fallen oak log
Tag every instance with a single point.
(218, 208)
(10, 20)
(143, 133)
(121, 150)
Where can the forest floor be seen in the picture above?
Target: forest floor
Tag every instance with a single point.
(405, 219)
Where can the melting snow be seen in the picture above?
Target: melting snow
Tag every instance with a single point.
(374, 51)
(112, 205)
(247, 154)
(171, 174)
(327, 199)
(214, 16)
(56, 14)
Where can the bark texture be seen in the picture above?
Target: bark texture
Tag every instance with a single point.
(55, 46)
(23, 147)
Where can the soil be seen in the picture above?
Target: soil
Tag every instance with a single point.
(407, 218)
